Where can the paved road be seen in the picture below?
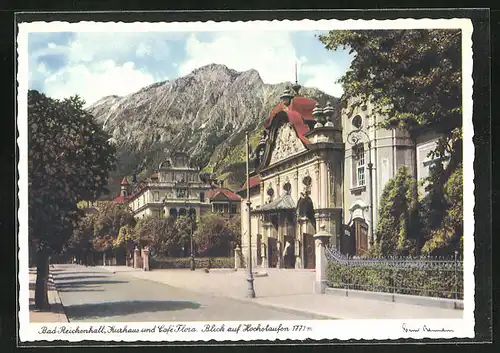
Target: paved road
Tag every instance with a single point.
(94, 294)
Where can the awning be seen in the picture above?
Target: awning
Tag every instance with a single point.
(282, 203)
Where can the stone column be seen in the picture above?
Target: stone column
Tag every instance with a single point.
(325, 189)
(263, 254)
(278, 249)
(298, 243)
(237, 257)
(145, 259)
(320, 282)
(136, 257)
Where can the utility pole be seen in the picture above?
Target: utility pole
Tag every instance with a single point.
(251, 291)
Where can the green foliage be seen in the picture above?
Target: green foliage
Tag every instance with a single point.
(447, 236)
(413, 77)
(69, 160)
(108, 223)
(216, 234)
(184, 262)
(434, 282)
(162, 235)
(397, 228)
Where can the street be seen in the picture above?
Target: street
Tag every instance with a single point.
(95, 294)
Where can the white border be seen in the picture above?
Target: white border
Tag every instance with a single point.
(331, 329)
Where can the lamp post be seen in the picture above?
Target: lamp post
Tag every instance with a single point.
(251, 291)
(190, 215)
(354, 138)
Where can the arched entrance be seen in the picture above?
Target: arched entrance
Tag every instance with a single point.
(182, 212)
(173, 212)
(305, 213)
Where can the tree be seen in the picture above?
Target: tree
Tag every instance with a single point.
(81, 240)
(413, 79)
(160, 234)
(397, 229)
(69, 159)
(215, 234)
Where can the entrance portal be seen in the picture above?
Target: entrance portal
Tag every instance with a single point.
(272, 248)
(309, 251)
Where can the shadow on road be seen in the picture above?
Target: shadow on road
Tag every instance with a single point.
(84, 276)
(80, 289)
(107, 309)
(85, 283)
(78, 273)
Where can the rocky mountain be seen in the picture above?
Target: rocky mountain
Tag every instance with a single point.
(205, 113)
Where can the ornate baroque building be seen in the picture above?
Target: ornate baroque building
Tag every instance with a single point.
(177, 190)
(309, 173)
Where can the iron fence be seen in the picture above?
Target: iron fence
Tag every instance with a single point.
(424, 276)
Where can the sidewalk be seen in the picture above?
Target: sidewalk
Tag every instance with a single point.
(56, 313)
(288, 290)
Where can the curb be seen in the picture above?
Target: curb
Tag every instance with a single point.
(252, 302)
(399, 298)
(55, 299)
(286, 309)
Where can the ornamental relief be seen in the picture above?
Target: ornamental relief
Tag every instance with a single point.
(287, 143)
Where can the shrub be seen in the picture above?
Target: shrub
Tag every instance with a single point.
(434, 282)
(185, 262)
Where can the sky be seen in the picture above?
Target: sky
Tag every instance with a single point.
(94, 65)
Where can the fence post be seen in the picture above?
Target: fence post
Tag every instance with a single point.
(456, 278)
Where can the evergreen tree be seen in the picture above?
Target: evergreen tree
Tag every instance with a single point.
(397, 230)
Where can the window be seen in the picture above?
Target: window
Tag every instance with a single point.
(157, 196)
(144, 199)
(233, 208)
(357, 121)
(202, 197)
(358, 163)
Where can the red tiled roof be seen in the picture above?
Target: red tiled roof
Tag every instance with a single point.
(213, 193)
(254, 181)
(299, 111)
(120, 199)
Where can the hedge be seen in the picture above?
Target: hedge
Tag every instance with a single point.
(185, 262)
(433, 282)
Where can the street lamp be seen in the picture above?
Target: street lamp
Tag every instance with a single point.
(251, 291)
(354, 138)
(190, 215)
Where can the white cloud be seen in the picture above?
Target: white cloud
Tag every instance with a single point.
(324, 77)
(271, 53)
(97, 80)
(99, 64)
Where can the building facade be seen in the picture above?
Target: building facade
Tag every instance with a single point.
(310, 171)
(176, 189)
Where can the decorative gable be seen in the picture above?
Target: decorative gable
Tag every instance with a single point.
(287, 143)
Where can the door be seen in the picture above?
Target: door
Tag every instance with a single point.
(272, 248)
(361, 236)
(309, 251)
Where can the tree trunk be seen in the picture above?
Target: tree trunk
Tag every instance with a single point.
(42, 278)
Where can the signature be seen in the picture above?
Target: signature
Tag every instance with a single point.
(424, 328)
